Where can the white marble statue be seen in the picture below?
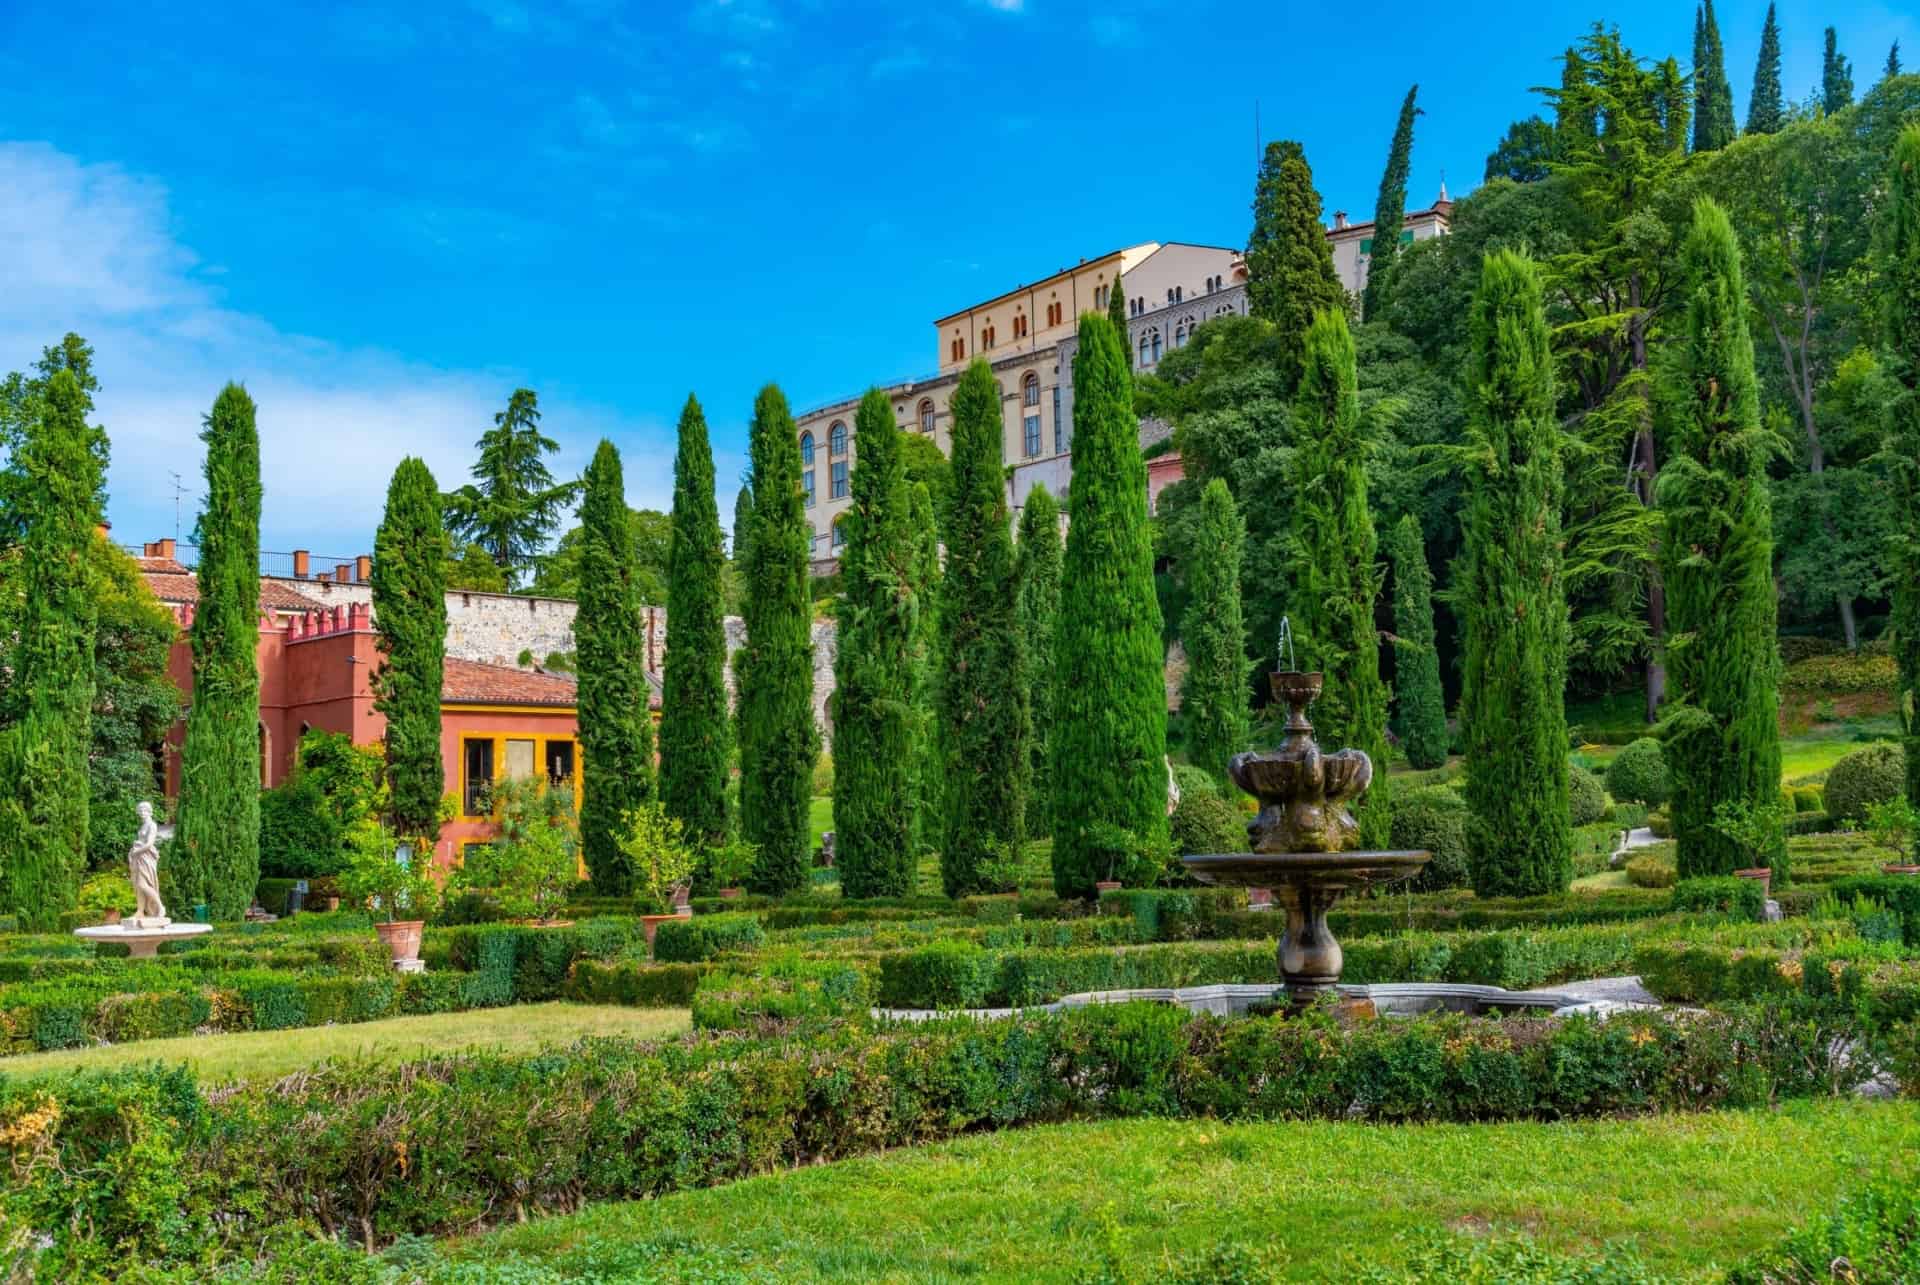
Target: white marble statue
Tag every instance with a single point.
(143, 868)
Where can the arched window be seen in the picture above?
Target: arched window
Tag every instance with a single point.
(926, 415)
(1019, 325)
(986, 337)
(839, 535)
(837, 439)
(957, 350)
(1143, 350)
(1156, 343)
(806, 450)
(1030, 390)
(806, 485)
(1180, 335)
(1179, 294)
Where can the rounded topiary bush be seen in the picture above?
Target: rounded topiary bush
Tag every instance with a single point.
(1863, 778)
(1434, 817)
(1586, 797)
(1638, 774)
(1205, 822)
(1191, 780)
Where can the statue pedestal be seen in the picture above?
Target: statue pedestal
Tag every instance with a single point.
(142, 937)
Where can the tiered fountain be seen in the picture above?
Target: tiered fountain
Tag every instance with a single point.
(1300, 839)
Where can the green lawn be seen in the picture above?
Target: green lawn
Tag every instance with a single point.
(1688, 1193)
(820, 817)
(257, 1054)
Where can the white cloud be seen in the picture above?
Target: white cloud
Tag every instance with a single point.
(90, 249)
(1008, 6)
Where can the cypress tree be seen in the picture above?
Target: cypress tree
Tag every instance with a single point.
(1836, 77)
(1215, 634)
(1893, 60)
(1117, 314)
(1109, 769)
(1766, 109)
(983, 707)
(1712, 92)
(1290, 273)
(696, 738)
(1673, 106)
(1390, 207)
(742, 523)
(616, 733)
(1335, 576)
(43, 755)
(1723, 736)
(410, 614)
(1037, 569)
(1902, 328)
(774, 670)
(217, 841)
(1511, 592)
(1419, 703)
(873, 715)
(928, 786)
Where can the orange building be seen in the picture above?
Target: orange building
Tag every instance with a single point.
(316, 665)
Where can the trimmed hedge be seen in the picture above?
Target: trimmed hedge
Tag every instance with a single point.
(1638, 773)
(1863, 778)
(1744, 899)
(691, 941)
(633, 984)
(491, 1139)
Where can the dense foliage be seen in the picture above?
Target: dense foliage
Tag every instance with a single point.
(928, 780)
(873, 716)
(983, 708)
(1903, 441)
(1639, 774)
(513, 504)
(616, 731)
(216, 850)
(696, 732)
(1419, 704)
(1037, 574)
(1390, 207)
(1290, 277)
(410, 613)
(1869, 775)
(774, 669)
(1511, 594)
(1215, 699)
(1108, 775)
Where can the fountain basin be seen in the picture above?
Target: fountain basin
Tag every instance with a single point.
(1307, 884)
(142, 937)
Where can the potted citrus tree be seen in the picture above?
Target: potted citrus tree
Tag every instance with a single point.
(530, 866)
(656, 848)
(391, 881)
(1891, 824)
(729, 864)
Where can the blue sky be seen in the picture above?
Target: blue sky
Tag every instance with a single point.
(383, 217)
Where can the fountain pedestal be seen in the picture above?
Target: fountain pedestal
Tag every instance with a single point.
(1298, 840)
(142, 937)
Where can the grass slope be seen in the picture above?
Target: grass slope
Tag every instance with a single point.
(258, 1054)
(1689, 1193)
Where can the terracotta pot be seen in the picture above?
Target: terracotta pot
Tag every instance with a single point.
(111, 917)
(329, 904)
(402, 938)
(1106, 885)
(1762, 875)
(1896, 869)
(1259, 899)
(732, 894)
(650, 925)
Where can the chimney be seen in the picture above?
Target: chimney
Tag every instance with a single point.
(166, 547)
(146, 550)
(301, 561)
(343, 572)
(363, 568)
(1339, 220)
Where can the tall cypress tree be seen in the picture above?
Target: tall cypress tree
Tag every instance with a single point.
(1336, 579)
(1902, 329)
(1766, 109)
(696, 738)
(616, 732)
(1713, 126)
(1037, 570)
(1215, 633)
(43, 754)
(928, 787)
(1836, 77)
(1723, 737)
(1117, 314)
(1109, 774)
(983, 707)
(774, 670)
(742, 524)
(1290, 273)
(1512, 594)
(873, 716)
(218, 837)
(1419, 703)
(1893, 60)
(410, 613)
(1390, 207)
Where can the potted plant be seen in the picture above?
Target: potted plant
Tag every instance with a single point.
(391, 880)
(529, 867)
(662, 862)
(108, 895)
(729, 864)
(1758, 833)
(1891, 825)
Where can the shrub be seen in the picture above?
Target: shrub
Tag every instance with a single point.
(529, 867)
(1841, 674)
(1660, 824)
(1193, 780)
(1638, 773)
(691, 941)
(658, 854)
(1586, 797)
(376, 878)
(633, 984)
(1434, 818)
(946, 974)
(1873, 1236)
(1863, 778)
(1651, 871)
(1206, 822)
(1744, 899)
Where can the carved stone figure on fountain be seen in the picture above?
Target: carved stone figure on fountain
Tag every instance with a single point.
(143, 871)
(1303, 792)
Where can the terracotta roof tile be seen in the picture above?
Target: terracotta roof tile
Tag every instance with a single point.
(172, 582)
(470, 682)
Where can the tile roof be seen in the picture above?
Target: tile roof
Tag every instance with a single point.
(173, 583)
(470, 682)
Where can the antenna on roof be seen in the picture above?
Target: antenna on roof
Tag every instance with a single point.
(179, 489)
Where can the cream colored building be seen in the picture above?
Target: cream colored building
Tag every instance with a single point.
(1353, 242)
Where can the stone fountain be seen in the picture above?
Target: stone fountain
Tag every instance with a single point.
(1300, 840)
(143, 931)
